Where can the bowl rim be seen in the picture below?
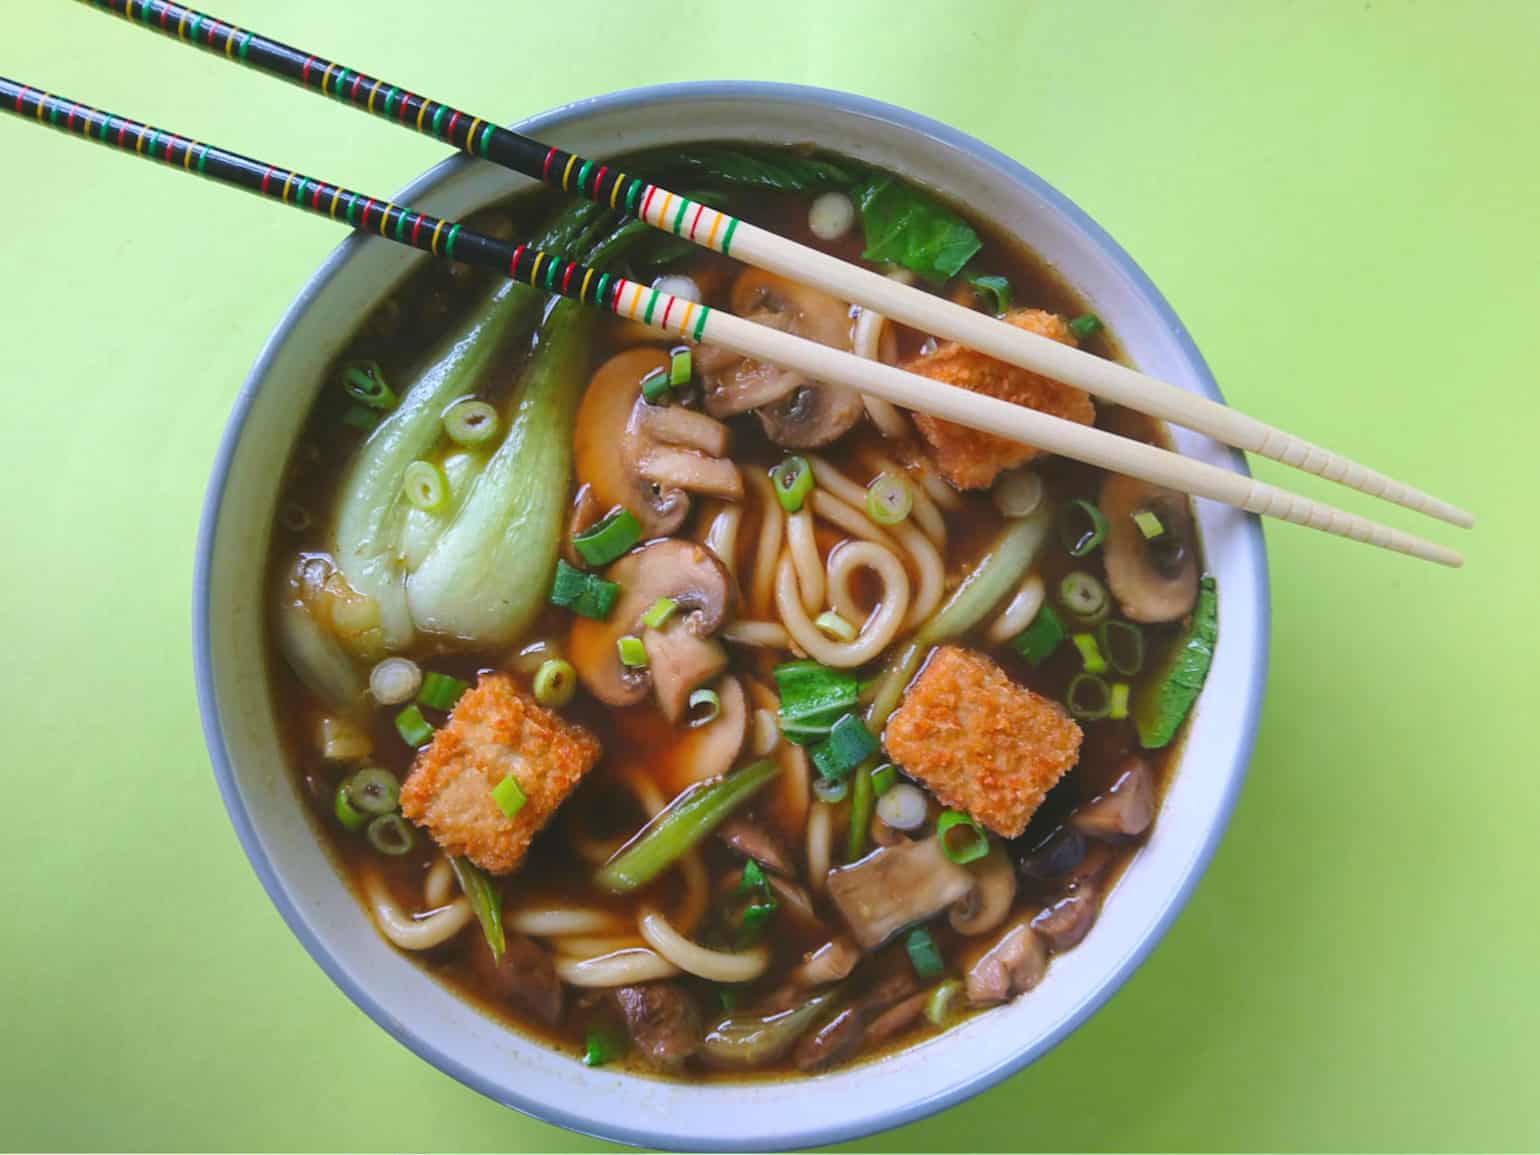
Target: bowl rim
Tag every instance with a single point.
(219, 754)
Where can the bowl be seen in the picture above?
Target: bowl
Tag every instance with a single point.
(302, 880)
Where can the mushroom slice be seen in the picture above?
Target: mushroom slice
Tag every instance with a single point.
(986, 908)
(1013, 965)
(710, 750)
(1126, 809)
(643, 457)
(813, 415)
(895, 887)
(1153, 580)
(680, 657)
(1068, 921)
(663, 1021)
(760, 843)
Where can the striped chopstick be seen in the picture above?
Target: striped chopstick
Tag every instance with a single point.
(629, 299)
(723, 233)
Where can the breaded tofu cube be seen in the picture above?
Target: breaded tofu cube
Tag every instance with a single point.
(979, 742)
(495, 730)
(970, 459)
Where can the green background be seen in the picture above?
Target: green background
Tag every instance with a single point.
(1341, 201)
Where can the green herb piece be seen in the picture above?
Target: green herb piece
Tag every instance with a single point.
(679, 366)
(373, 791)
(1171, 687)
(884, 778)
(863, 801)
(1117, 707)
(413, 727)
(555, 682)
(923, 954)
(509, 796)
(632, 652)
(440, 691)
(780, 171)
(848, 745)
(1086, 326)
(889, 499)
(1082, 526)
(1041, 638)
(1123, 645)
(583, 593)
(812, 699)
(905, 227)
(705, 706)
(470, 422)
(485, 899)
(1149, 524)
(753, 877)
(993, 292)
(1083, 596)
(601, 1047)
(391, 835)
(351, 818)
(608, 538)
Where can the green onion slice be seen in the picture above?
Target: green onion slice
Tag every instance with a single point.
(835, 626)
(1123, 645)
(440, 691)
(705, 705)
(1091, 659)
(1086, 326)
(1039, 640)
(830, 790)
(470, 422)
(863, 802)
(351, 818)
(994, 293)
(848, 745)
(583, 593)
(659, 612)
(373, 791)
(943, 1002)
(632, 652)
(425, 486)
(1117, 706)
(884, 778)
(390, 834)
(413, 727)
(655, 387)
(793, 480)
(485, 899)
(1082, 526)
(509, 796)
(1149, 524)
(675, 831)
(555, 682)
(601, 1046)
(923, 954)
(608, 538)
(888, 499)
(753, 877)
(679, 366)
(1088, 697)
(962, 839)
(365, 383)
(1084, 596)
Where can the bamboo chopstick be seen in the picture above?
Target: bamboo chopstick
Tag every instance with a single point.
(700, 323)
(717, 231)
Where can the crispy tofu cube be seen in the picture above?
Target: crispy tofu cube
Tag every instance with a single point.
(979, 742)
(495, 730)
(970, 459)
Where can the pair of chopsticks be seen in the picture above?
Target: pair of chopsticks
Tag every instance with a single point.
(720, 232)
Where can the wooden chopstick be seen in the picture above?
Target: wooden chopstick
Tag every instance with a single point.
(717, 231)
(634, 301)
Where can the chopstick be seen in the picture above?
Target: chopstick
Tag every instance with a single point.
(633, 301)
(722, 233)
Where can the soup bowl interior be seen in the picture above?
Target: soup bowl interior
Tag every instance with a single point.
(305, 884)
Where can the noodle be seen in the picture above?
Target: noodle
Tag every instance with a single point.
(767, 551)
(766, 733)
(594, 851)
(722, 536)
(435, 888)
(1018, 612)
(560, 921)
(925, 513)
(937, 489)
(771, 635)
(879, 628)
(714, 965)
(414, 931)
(850, 519)
(590, 945)
(802, 547)
(929, 568)
(696, 886)
(646, 791)
(621, 968)
(820, 833)
(831, 480)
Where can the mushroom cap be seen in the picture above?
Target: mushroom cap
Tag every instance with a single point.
(1148, 590)
(897, 886)
(1126, 809)
(811, 416)
(1013, 965)
(986, 907)
(707, 751)
(681, 656)
(605, 449)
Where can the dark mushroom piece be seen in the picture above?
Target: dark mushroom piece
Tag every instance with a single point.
(682, 656)
(1126, 809)
(752, 840)
(1067, 921)
(1013, 965)
(898, 886)
(986, 908)
(899, 1017)
(664, 1022)
(848, 1030)
(648, 458)
(525, 977)
(1154, 580)
(1056, 855)
(708, 750)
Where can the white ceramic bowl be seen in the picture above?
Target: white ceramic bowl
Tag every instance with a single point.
(277, 834)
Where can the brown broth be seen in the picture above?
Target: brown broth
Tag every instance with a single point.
(416, 313)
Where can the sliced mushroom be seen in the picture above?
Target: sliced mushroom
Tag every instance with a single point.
(1065, 923)
(1060, 853)
(1012, 966)
(1124, 811)
(664, 1023)
(682, 656)
(525, 976)
(795, 411)
(752, 840)
(897, 886)
(828, 964)
(1154, 581)
(899, 1017)
(648, 458)
(986, 908)
(709, 750)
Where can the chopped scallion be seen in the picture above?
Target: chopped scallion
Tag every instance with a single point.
(1088, 697)
(1091, 659)
(848, 745)
(835, 626)
(601, 1047)
(424, 486)
(1117, 706)
(555, 682)
(1123, 644)
(1039, 640)
(943, 1002)
(583, 593)
(705, 705)
(485, 899)
(390, 834)
(509, 796)
(365, 383)
(440, 691)
(470, 422)
(993, 292)
(884, 778)
(373, 791)
(655, 387)
(863, 802)
(632, 652)
(753, 877)
(361, 417)
(351, 818)
(1085, 326)
(679, 366)
(1083, 596)
(829, 790)
(608, 538)
(413, 727)
(793, 479)
(1149, 523)
(659, 612)
(888, 499)
(923, 954)
(962, 839)
(1082, 526)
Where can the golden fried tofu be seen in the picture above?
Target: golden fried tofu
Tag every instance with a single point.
(495, 730)
(979, 742)
(970, 459)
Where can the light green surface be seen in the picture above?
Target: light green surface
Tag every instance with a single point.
(1339, 199)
